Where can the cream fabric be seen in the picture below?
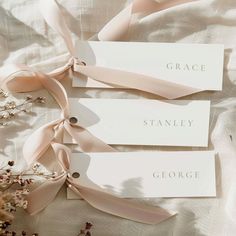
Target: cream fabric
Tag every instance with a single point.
(25, 38)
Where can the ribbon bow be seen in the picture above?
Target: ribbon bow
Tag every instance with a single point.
(45, 137)
(48, 135)
(52, 14)
(45, 193)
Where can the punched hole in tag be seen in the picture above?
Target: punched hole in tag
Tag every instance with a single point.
(78, 62)
(76, 175)
(73, 120)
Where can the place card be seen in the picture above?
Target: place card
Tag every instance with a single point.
(146, 174)
(195, 65)
(143, 121)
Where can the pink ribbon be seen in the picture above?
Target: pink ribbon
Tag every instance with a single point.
(21, 78)
(45, 193)
(46, 137)
(52, 14)
(118, 27)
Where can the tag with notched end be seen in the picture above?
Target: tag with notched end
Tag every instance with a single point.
(199, 66)
(143, 122)
(146, 174)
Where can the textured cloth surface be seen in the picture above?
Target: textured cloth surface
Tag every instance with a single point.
(25, 38)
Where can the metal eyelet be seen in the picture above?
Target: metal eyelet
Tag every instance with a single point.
(73, 120)
(76, 175)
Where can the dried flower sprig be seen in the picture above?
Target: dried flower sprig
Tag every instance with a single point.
(13, 189)
(86, 230)
(3, 94)
(13, 233)
(8, 178)
(11, 109)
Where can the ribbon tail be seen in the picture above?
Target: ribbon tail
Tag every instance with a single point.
(119, 25)
(21, 78)
(38, 142)
(87, 141)
(121, 207)
(141, 82)
(53, 16)
(40, 197)
(24, 83)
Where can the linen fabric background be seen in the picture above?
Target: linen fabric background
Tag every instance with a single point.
(25, 38)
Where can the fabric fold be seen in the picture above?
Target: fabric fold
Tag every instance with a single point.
(118, 27)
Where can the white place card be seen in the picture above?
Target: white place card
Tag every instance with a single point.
(143, 122)
(147, 174)
(194, 65)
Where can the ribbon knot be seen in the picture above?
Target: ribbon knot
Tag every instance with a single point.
(77, 61)
(40, 197)
(21, 78)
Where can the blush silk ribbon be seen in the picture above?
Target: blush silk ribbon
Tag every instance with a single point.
(48, 136)
(21, 78)
(53, 16)
(117, 28)
(44, 138)
(124, 208)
